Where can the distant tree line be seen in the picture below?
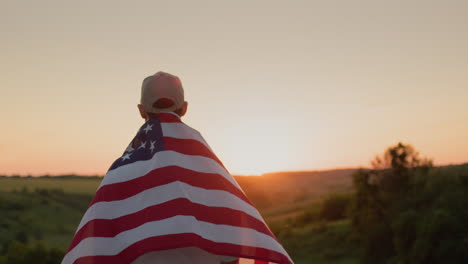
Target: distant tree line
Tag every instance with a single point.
(67, 176)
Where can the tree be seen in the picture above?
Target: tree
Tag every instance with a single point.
(407, 212)
(380, 195)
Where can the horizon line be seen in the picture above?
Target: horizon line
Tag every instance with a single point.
(233, 174)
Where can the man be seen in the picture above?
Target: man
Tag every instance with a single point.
(168, 199)
(163, 93)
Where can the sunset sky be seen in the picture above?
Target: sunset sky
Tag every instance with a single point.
(272, 85)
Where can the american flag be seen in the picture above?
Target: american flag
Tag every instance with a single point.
(169, 191)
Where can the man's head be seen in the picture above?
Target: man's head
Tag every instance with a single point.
(162, 92)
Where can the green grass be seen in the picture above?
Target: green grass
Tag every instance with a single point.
(308, 238)
(48, 210)
(73, 185)
(318, 242)
(46, 216)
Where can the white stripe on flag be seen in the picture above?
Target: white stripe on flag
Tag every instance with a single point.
(163, 159)
(165, 193)
(108, 246)
(182, 131)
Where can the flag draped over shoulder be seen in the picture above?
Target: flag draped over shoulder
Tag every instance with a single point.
(169, 191)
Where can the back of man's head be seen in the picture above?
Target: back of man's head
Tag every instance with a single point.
(162, 92)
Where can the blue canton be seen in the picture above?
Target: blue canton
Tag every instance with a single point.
(147, 142)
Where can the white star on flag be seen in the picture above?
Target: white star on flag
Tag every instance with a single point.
(126, 156)
(152, 147)
(148, 127)
(143, 145)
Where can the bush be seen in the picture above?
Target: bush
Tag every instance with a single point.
(335, 207)
(308, 216)
(19, 253)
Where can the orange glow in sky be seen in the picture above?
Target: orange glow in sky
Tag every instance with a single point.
(271, 85)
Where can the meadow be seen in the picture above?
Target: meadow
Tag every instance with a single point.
(403, 213)
(46, 210)
(72, 185)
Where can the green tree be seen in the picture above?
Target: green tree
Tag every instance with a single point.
(380, 195)
(407, 212)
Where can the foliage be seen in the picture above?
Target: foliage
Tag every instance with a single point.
(49, 216)
(335, 207)
(317, 242)
(405, 211)
(76, 185)
(415, 217)
(20, 253)
(47, 211)
(320, 234)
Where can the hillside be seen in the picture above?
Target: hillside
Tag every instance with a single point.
(284, 194)
(48, 209)
(272, 193)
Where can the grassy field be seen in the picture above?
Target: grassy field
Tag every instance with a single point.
(73, 185)
(48, 210)
(325, 242)
(48, 216)
(276, 195)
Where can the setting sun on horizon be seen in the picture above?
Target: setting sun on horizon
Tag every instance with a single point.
(272, 86)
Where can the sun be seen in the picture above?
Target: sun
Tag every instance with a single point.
(258, 148)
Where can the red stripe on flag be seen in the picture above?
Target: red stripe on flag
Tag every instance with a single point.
(189, 147)
(168, 118)
(260, 262)
(162, 176)
(181, 206)
(184, 240)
